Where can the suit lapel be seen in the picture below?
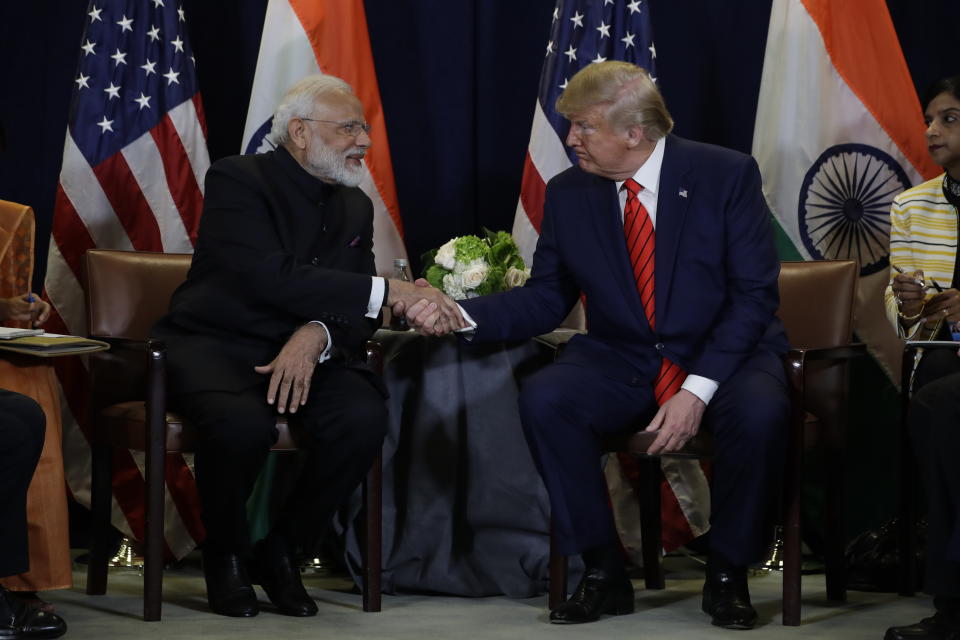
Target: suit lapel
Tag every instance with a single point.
(676, 192)
(604, 210)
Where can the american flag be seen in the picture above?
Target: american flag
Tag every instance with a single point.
(132, 178)
(584, 32)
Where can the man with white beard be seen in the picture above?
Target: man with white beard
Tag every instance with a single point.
(273, 316)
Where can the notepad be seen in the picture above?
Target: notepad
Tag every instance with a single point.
(9, 333)
(52, 344)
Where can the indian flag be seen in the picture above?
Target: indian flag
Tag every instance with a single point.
(839, 132)
(304, 37)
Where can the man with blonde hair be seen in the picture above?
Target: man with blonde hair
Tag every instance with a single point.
(272, 319)
(670, 242)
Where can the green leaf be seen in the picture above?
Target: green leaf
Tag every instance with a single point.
(469, 248)
(434, 275)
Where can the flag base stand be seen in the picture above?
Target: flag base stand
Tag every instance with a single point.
(319, 565)
(774, 561)
(127, 556)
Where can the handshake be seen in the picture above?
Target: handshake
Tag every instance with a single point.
(428, 310)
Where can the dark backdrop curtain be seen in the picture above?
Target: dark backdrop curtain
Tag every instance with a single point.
(458, 82)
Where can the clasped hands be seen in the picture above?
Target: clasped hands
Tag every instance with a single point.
(909, 289)
(427, 309)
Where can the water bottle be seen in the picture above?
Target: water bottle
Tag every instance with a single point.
(401, 271)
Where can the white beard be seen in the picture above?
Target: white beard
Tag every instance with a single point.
(327, 164)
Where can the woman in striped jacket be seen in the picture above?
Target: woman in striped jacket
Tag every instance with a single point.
(923, 253)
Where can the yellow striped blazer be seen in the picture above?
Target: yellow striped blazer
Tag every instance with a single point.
(923, 236)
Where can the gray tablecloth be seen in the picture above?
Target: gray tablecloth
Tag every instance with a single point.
(464, 510)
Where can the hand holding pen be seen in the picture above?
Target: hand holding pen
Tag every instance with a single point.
(25, 308)
(910, 292)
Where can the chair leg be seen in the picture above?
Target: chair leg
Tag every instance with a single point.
(791, 520)
(373, 534)
(651, 528)
(100, 503)
(835, 566)
(558, 575)
(154, 543)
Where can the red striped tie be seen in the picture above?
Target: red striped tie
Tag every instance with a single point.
(639, 233)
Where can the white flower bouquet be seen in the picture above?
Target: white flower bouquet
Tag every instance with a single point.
(468, 266)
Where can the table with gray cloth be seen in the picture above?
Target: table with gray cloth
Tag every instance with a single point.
(464, 510)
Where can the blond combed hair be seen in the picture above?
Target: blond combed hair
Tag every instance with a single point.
(632, 98)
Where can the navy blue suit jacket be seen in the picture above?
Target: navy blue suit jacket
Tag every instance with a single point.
(715, 274)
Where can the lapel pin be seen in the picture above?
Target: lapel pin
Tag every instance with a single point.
(683, 193)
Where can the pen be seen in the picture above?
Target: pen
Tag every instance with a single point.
(936, 286)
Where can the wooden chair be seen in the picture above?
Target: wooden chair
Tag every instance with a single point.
(126, 293)
(816, 306)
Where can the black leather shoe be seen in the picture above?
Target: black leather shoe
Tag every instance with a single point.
(19, 621)
(727, 600)
(935, 628)
(596, 595)
(273, 568)
(229, 591)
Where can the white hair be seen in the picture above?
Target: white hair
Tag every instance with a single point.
(298, 102)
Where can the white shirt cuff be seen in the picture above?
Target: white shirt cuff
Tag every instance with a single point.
(377, 289)
(703, 388)
(469, 320)
(326, 352)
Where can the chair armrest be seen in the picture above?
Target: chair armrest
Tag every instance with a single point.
(558, 339)
(835, 353)
(124, 344)
(930, 345)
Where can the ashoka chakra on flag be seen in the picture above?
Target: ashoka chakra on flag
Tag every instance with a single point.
(844, 209)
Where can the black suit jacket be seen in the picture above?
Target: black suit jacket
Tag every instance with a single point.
(277, 248)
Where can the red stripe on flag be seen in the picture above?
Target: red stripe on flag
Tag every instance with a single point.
(183, 492)
(180, 179)
(532, 192)
(201, 114)
(131, 208)
(70, 234)
(129, 489)
(675, 528)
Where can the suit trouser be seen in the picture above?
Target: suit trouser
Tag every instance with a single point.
(935, 433)
(567, 409)
(342, 426)
(22, 425)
